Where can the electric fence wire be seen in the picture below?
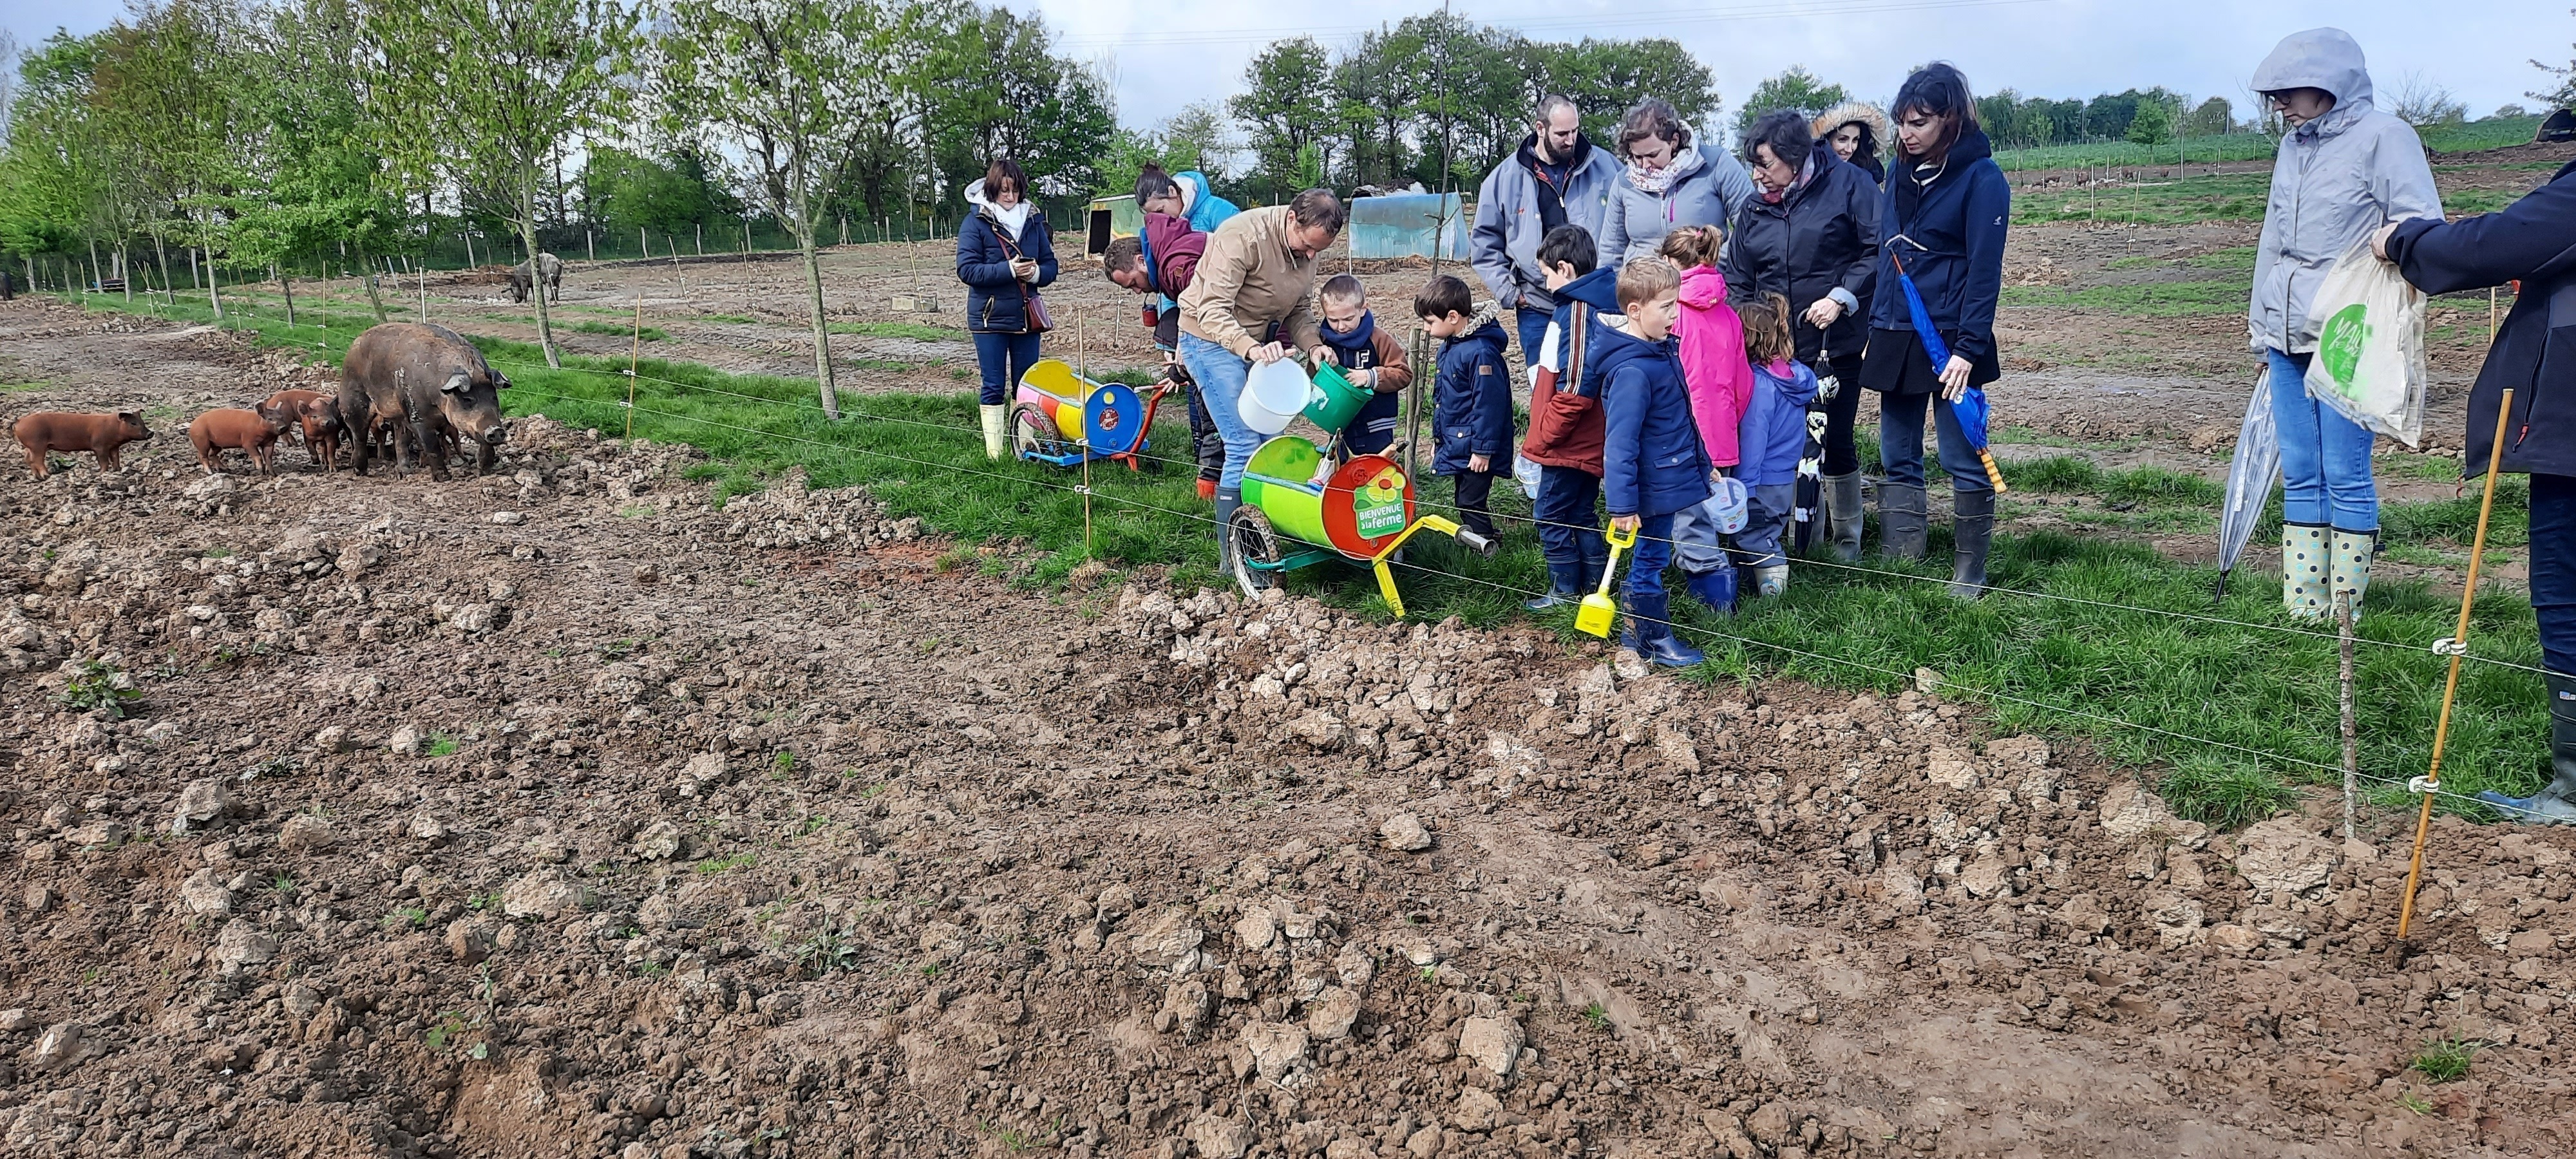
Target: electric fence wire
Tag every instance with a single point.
(1693, 629)
(815, 408)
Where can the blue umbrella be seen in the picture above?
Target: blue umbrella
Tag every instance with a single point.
(1970, 409)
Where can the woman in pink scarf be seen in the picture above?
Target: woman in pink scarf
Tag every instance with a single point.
(1721, 383)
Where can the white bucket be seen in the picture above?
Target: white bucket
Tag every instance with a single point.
(1274, 394)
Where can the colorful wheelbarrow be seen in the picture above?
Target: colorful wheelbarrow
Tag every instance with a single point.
(1060, 417)
(1301, 508)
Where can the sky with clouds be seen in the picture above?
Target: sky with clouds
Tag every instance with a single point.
(1167, 53)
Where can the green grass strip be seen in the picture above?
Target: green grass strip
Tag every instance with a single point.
(2106, 668)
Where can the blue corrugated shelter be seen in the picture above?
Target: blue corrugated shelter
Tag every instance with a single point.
(1408, 225)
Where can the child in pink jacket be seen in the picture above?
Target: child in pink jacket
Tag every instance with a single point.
(1721, 384)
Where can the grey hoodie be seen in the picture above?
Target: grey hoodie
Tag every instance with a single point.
(2336, 179)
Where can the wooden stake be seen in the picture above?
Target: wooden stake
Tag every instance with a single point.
(634, 351)
(2458, 647)
(1086, 497)
(2351, 747)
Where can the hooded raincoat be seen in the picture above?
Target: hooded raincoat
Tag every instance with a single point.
(2336, 179)
(1513, 216)
(1471, 409)
(1200, 205)
(1713, 366)
(1876, 135)
(1652, 460)
(1710, 187)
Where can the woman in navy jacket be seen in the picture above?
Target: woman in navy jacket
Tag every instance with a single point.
(2533, 241)
(1944, 215)
(1003, 256)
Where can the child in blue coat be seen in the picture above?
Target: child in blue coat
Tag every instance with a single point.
(1653, 462)
(1771, 437)
(1471, 411)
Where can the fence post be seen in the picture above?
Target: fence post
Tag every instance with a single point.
(2458, 648)
(2351, 747)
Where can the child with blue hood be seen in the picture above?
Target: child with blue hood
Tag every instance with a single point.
(1653, 461)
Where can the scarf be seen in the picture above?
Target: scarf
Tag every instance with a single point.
(1658, 182)
(1009, 219)
(1806, 170)
(1355, 345)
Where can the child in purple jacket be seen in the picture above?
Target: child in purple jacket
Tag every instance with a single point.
(1770, 438)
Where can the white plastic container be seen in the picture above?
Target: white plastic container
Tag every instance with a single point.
(1274, 394)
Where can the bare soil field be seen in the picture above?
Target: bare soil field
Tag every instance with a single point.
(564, 812)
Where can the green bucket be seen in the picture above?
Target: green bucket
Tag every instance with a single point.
(1334, 402)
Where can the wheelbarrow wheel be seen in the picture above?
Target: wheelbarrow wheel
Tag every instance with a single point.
(1033, 433)
(1254, 539)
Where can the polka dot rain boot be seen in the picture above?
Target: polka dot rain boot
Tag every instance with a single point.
(2304, 570)
(2351, 568)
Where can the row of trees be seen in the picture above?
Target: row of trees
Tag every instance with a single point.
(260, 132)
(1435, 99)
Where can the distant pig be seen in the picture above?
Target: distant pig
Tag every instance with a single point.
(101, 435)
(254, 431)
(320, 415)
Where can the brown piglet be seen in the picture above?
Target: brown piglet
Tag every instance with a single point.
(320, 415)
(100, 435)
(254, 431)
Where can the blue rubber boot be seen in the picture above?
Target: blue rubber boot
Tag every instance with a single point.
(1715, 589)
(1564, 586)
(1650, 633)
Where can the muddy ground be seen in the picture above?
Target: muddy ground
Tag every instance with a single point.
(559, 812)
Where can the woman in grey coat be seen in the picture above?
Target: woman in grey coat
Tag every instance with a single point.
(2344, 170)
(1668, 182)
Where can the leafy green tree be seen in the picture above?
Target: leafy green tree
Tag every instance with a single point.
(1606, 78)
(55, 161)
(2151, 125)
(312, 178)
(624, 191)
(2211, 118)
(1795, 89)
(991, 85)
(481, 93)
(1288, 106)
(785, 85)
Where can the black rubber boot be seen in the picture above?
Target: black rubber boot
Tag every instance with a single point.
(1226, 503)
(1973, 531)
(1903, 532)
(1842, 515)
(2555, 803)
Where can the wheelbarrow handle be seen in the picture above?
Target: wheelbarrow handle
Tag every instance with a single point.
(1474, 542)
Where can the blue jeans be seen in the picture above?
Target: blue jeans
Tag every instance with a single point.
(1900, 442)
(1221, 376)
(1533, 328)
(2553, 568)
(1569, 519)
(2325, 457)
(992, 351)
(1647, 560)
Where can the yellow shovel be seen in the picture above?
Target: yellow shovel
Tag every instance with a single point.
(1599, 610)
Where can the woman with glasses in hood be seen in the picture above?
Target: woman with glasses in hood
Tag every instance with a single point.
(2345, 169)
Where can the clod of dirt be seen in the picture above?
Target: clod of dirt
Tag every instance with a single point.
(1405, 833)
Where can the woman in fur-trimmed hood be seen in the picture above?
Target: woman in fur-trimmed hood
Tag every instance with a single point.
(1857, 130)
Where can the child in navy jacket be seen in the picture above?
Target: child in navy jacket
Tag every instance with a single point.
(1653, 462)
(1770, 439)
(1472, 400)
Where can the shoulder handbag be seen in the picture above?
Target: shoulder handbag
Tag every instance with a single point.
(1039, 321)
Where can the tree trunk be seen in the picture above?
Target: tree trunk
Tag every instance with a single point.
(814, 299)
(161, 254)
(536, 283)
(286, 283)
(96, 279)
(373, 298)
(195, 281)
(214, 292)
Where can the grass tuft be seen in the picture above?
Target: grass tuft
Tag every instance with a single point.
(2446, 1059)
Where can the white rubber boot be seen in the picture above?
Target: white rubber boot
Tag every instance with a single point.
(997, 438)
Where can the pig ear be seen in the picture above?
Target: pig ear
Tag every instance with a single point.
(127, 414)
(456, 382)
(500, 381)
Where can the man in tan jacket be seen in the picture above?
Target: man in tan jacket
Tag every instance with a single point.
(1252, 301)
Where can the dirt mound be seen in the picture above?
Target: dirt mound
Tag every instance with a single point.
(562, 810)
